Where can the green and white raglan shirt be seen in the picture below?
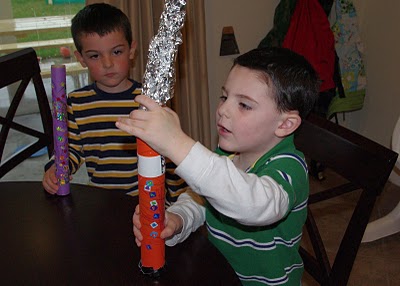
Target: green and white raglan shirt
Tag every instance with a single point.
(254, 218)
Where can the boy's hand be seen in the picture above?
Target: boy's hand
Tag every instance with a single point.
(159, 127)
(50, 182)
(173, 225)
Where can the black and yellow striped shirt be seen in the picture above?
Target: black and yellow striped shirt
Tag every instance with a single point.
(109, 153)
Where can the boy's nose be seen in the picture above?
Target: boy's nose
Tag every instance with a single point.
(223, 109)
(107, 62)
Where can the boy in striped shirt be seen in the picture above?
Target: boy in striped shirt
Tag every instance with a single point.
(103, 38)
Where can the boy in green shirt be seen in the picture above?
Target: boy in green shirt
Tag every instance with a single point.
(255, 187)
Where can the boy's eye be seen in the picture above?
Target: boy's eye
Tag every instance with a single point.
(94, 56)
(117, 52)
(223, 98)
(245, 106)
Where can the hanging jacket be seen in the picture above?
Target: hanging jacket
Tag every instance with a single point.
(349, 47)
(310, 35)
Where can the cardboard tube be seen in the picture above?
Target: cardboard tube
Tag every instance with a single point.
(60, 127)
(151, 173)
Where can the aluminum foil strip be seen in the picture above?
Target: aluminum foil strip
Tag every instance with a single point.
(159, 77)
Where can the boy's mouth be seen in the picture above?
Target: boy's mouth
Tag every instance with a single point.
(222, 129)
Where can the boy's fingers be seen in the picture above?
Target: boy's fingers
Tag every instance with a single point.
(137, 233)
(49, 187)
(147, 102)
(54, 180)
(167, 232)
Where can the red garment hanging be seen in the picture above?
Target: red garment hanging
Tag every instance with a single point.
(310, 35)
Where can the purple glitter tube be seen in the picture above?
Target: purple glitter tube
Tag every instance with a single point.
(60, 127)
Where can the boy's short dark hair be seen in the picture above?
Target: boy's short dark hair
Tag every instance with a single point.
(99, 18)
(294, 80)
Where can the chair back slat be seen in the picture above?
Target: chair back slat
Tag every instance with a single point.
(354, 157)
(23, 67)
(364, 164)
(19, 65)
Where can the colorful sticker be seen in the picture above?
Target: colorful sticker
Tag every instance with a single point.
(148, 185)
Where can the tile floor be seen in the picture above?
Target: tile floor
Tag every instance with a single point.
(377, 262)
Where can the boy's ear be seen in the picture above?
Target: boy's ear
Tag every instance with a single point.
(80, 59)
(132, 50)
(291, 121)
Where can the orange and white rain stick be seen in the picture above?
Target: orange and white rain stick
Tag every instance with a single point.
(158, 84)
(151, 169)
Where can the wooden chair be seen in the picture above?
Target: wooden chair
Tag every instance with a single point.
(23, 66)
(366, 166)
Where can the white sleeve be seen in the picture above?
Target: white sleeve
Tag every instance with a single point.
(247, 198)
(189, 207)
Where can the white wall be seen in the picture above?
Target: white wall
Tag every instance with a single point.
(251, 21)
(379, 28)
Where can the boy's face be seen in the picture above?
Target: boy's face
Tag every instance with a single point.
(248, 121)
(108, 59)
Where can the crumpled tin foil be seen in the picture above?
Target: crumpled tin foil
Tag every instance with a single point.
(159, 77)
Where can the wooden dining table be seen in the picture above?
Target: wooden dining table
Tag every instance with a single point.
(86, 238)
